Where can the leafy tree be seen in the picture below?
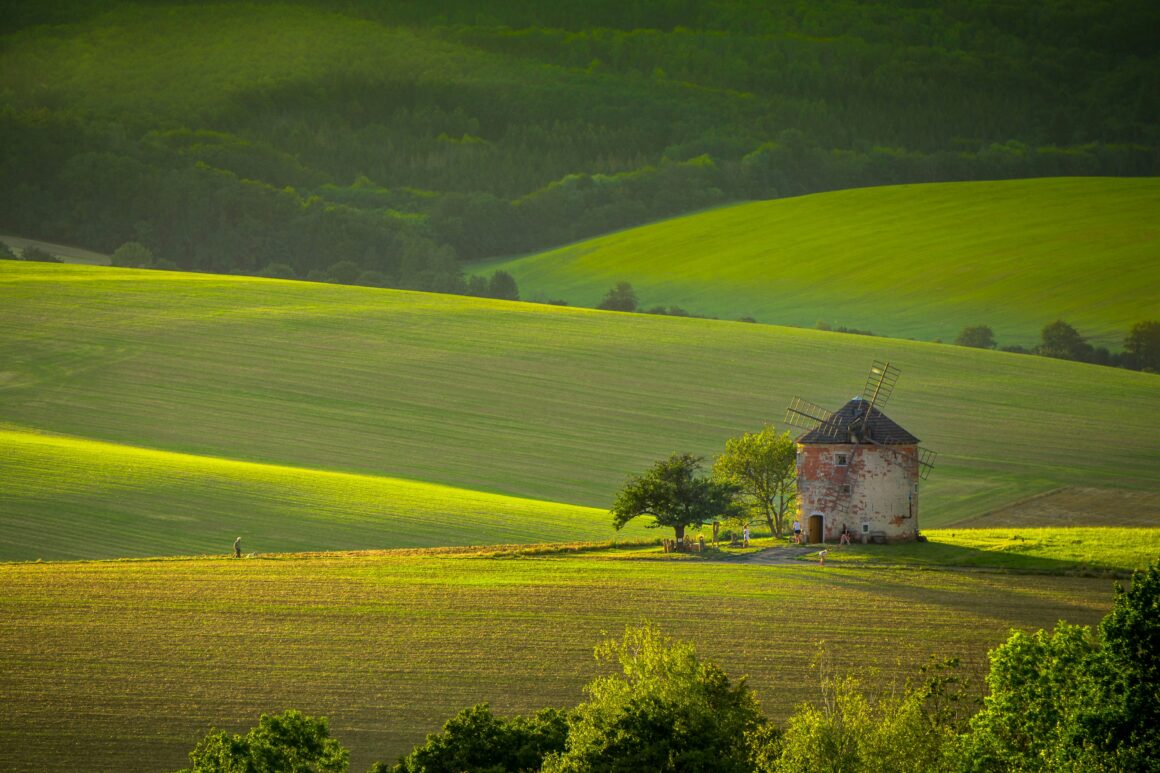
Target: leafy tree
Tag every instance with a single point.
(1062, 341)
(132, 255)
(345, 272)
(673, 493)
(666, 711)
(763, 467)
(503, 285)
(278, 271)
(620, 298)
(1143, 346)
(477, 740)
(1071, 700)
(978, 336)
(6, 252)
(290, 742)
(38, 255)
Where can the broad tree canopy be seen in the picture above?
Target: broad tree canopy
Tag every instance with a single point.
(674, 494)
(763, 467)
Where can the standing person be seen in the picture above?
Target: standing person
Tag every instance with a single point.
(238, 548)
(822, 557)
(745, 535)
(716, 526)
(845, 540)
(797, 532)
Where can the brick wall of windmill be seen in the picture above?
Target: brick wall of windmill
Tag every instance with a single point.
(883, 489)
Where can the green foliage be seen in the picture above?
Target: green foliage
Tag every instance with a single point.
(6, 252)
(763, 467)
(503, 286)
(132, 255)
(320, 134)
(674, 494)
(278, 271)
(851, 732)
(38, 255)
(620, 298)
(978, 336)
(666, 711)
(1062, 341)
(477, 740)
(1074, 700)
(290, 742)
(1143, 346)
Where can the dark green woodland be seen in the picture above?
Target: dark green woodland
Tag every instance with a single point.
(408, 137)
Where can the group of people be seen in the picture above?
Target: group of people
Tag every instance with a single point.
(800, 538)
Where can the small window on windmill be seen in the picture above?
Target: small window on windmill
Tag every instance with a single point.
(846, 488)
(840, 460)
(865, 528)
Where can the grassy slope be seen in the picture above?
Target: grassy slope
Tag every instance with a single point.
(911, 261)
(68, 498)
(124, 665)
(536, 402)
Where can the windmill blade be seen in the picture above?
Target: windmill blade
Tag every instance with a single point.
(804, 414)
(880, 382)
(926, 459)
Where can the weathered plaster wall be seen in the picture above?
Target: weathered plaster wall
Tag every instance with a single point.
(877, 486)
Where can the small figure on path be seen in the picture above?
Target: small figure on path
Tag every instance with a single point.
(745, 535)
(238, 548)
(716, 526)
(797, 532)
(822, 557)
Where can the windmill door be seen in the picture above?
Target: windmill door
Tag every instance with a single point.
(816, 527)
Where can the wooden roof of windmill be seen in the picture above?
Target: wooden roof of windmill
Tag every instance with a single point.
(851, 424)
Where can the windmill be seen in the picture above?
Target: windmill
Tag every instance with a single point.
(857, 463)
(859, 424)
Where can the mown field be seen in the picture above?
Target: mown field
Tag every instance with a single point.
(524, 400)
(123, 665)
(908, 261)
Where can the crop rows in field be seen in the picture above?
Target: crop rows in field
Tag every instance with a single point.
(916, 261)
(524, 400)
(124, 665)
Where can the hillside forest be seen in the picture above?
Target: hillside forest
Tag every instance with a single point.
(388, 143)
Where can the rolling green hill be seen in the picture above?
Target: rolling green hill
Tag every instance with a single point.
(910, 261)
(69, 498)
(517, 399)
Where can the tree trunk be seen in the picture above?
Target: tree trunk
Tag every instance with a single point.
(680, 530)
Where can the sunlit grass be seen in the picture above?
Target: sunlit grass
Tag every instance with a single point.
(71, 498)
(916, 261)
(522, 400)
(1063, 550)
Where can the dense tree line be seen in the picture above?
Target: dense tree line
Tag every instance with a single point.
(1070, 699)
(543, 123)
(1060, 340)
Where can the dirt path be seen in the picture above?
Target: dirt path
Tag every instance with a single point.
(773, 556)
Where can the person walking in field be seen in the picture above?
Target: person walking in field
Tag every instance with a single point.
(797, 532)
(238, 548)
(745, 535)
(822, 557)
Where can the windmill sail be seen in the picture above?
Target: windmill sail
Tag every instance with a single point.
(804, 414)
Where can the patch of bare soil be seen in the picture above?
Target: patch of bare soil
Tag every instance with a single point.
(1075, 506)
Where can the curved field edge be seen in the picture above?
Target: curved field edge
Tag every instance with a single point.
(908, 261)
(72, 498)
(125, 665)
(1069, 550)
(523, 400)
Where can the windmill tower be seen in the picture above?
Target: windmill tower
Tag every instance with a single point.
(857, 468)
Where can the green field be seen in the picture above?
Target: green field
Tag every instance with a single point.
(123, 665)
(523, 400)
(908, 261)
